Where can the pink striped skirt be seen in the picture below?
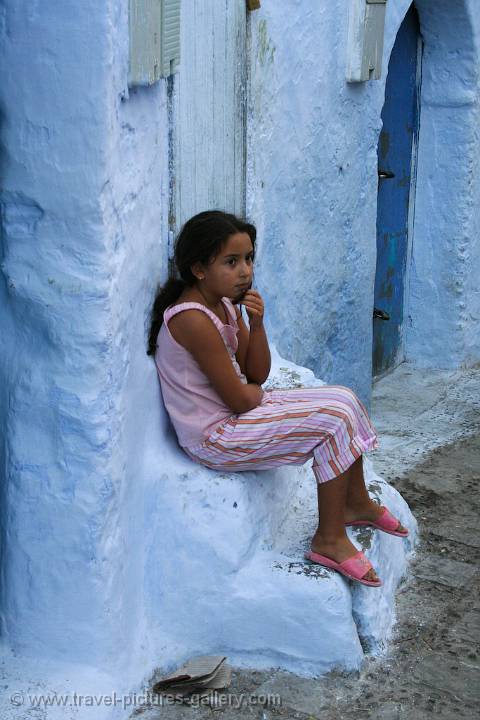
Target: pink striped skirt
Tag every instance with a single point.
(327, 423)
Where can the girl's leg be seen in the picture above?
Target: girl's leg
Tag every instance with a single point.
(358, 504)
(331, 539)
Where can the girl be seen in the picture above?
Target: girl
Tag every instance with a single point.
(211, 368)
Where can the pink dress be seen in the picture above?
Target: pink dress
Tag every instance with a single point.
(327, 423)
(194, 406)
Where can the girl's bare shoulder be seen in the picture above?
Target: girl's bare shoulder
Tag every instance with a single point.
(182, 324)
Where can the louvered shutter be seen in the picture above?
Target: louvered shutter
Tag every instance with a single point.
(154, 32)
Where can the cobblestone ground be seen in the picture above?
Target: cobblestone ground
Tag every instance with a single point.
(433, 664)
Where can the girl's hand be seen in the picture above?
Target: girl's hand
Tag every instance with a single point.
(255, 308)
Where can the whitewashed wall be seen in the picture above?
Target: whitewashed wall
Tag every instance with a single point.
(59, 361)
(312, 187)
(443, 324)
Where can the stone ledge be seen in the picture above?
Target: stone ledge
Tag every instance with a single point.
(229, 575)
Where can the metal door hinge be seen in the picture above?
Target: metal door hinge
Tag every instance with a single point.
(386, 174)
(380, 314)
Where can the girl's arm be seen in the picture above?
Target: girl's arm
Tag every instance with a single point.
(194, 330)
(258, 356)
(253, 353)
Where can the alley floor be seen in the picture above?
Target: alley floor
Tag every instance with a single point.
(429, 428)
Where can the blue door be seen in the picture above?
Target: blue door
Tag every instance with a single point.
(400, 122)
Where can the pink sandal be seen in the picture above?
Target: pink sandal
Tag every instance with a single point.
(386, 522)
(353, 568)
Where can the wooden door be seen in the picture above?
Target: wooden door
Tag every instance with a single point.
(208, 166)
(400, 124)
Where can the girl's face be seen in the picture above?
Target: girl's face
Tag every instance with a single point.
(230, 274)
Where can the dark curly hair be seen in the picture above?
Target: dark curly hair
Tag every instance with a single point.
(200, 240)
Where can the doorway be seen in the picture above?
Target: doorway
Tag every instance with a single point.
(396, 193)
(207, 162)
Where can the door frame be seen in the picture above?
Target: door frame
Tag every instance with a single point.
(413, 194)
(411, 207)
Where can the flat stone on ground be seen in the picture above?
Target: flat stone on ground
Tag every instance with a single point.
(397, 711)
(467, 629)
(300, 694)
(444, 571)
(466, 534)
(456, 677)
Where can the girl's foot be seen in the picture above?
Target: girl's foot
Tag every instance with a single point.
(338, 549)
(368, 511)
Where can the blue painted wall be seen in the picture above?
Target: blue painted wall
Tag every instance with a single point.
(313, 182)
(444, 303)
(84, 171)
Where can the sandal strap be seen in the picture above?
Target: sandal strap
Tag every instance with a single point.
(387, 520)
(358, 565)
